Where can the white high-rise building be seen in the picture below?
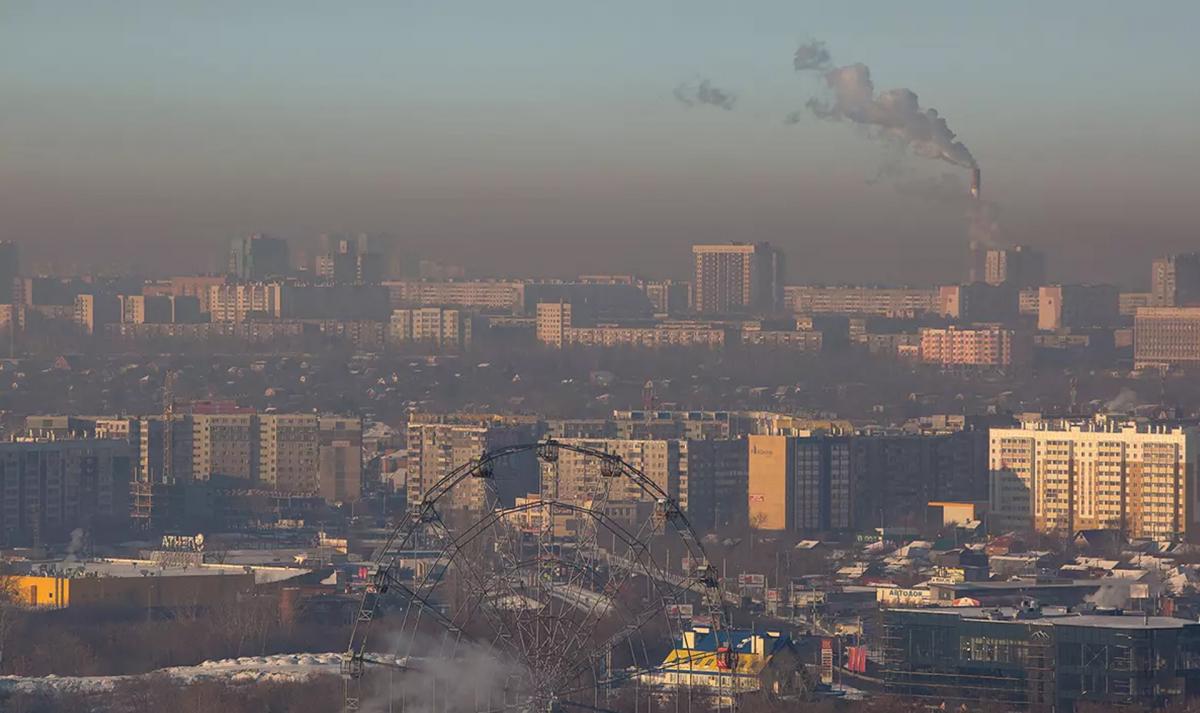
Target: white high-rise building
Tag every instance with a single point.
(1063, 475)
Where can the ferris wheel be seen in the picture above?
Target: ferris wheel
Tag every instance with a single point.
(547, 602)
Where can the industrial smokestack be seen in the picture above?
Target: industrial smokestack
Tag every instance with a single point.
(975, 179)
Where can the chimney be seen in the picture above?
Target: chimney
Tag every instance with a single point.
(975, 180)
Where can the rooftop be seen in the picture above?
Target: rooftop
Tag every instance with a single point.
(1060, 616)
(147, 568)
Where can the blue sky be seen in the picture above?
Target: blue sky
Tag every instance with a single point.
(507, 130)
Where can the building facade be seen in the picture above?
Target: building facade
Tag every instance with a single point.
(1077, 306)
(288, 451)
(1040, 659)
(1063, 475)
(555, 328)
(94, 311)
(979, 302)
(737, 278)
(494, 295)
(877, 301)
(579, 479)
(1019, 266)
(799, 484)
(240, 302)
(983, 346)
(339, 458)
(447, 329)
(437, 444)
(1175, 281)
(819, 483)
(258, 257)
(49, 488)
(1165, 337)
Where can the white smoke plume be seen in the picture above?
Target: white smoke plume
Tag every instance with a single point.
(894, 114)
(1123, 402)
(75, 545)
(704, 92)
(446, 676)
(1115, 594)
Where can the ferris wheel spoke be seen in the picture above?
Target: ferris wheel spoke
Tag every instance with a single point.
(549, 601)
(504, 630)
(587, 630)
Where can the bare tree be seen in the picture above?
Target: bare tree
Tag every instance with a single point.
(10, 596)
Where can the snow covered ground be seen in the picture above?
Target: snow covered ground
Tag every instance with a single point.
(248, 669)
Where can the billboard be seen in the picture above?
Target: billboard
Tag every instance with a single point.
(679, 611)
(746, 579)
(827, 661)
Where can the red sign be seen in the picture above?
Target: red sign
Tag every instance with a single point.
(856, 658)
(826, 661)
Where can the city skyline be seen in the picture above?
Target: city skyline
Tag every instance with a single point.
(164, 132)
(530, 357)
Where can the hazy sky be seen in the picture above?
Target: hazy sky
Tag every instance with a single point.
(543, 137)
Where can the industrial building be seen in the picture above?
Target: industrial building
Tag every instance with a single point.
(135, 584)
(1040, 659)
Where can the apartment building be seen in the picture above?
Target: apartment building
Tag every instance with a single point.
(879, 301)
(437, 444)
(50, 487)
(799, 484)
(1077, 306)
(737, 277)
(1175, 281)
(225, 443)
(239, 302)
(1062, 475)
(339, 458)
(555, 328)
(448, 329)
(982, 346)
(497, 295)
(579, 478)
(820, 481)
(288, 451)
